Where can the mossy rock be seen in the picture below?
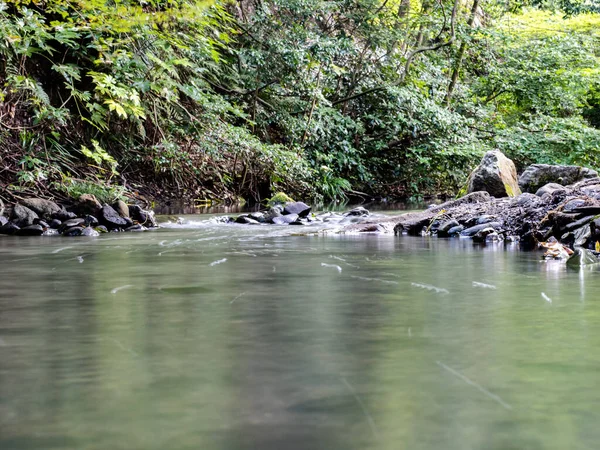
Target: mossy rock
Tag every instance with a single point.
(279, 198)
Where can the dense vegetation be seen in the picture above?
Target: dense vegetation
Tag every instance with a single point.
(323, 99)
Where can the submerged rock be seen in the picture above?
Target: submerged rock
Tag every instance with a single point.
(89, 231)
(582, 257)
(495, 174)
(9, 228)
(538, 175)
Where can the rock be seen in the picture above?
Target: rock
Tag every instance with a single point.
(139, 215)
(91, 221)
(43, 208)
(1, 207)
(582, 236)
(486, 218)
(74, 231)
(9, 228)
(538, 175)
(22, 216)
(481, 235)
(70, 224)
(121, 207)
(549, 188)
(101, 229)
(245, 219)
(527, 199)
(573, 204)
(31, 230)
(446, 226)
(63, 215)
(275, 211)
(359, 211)
(136, 227)
(477, 228)
(495, 174)
(577, 224)
(3, 221)
(89, 231)
(111, 218)
(55, 224)
(493, 237)
(42, 224)
(258, 216)
(285, 220)
(455, 231)
(587, 210)
(299, 208)
(88, 204)
(581, 257)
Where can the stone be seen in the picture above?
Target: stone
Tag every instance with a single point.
(486, 218)
(3, 221)
(581, 257)
(136, 227)
(71, 223)
(31, 230)
(538, 175)
(275, 211)
(74, 231)
(482, 234)
(43, 224)
(139, 215)
(121, 207)
(582, 236)
(88, 204)
(244, 219)
(63, 215)
(359, 211)
(549, 188)
(43, 208)
(91, 221)
(496, 174)
(111, 218)
(446, 226)
(23, 216)
(9, 228)
(101, 229)
(285, 220)
(258, 216)
(89, 231)
(55, 224)
(1, 207)
(472, 231)
(573, 204)
(299, 208)
(455, 231)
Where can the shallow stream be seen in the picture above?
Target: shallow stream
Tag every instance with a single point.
(230, 337)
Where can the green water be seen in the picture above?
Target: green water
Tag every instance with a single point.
(135, 341)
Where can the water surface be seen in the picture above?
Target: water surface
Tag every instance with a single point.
(247, 337)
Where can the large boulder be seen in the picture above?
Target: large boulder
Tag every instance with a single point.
(496, 174)
(538, 175)
(43, 208)
(300, 208)
(23, 216)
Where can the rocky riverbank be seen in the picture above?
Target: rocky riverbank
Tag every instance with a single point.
(548, 204)
(85, 217)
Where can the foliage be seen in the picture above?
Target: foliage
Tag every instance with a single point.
(217, 100)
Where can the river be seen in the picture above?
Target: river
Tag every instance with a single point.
(236, 337)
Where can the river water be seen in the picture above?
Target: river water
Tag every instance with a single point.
(232, 337)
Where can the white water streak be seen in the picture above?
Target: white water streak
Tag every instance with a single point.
(365, 411)
(58, 250)
(483, 285)
(545, 297)
(332, 266)
(120, 288)
(429, 287)
(378, 280)
(238, 296)
(475, 385)
(219, 261)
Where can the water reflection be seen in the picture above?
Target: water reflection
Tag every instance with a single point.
(148, 344)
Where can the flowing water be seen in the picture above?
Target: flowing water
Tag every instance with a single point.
(249, 337)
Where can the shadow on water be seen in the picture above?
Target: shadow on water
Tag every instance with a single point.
(142, 341)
